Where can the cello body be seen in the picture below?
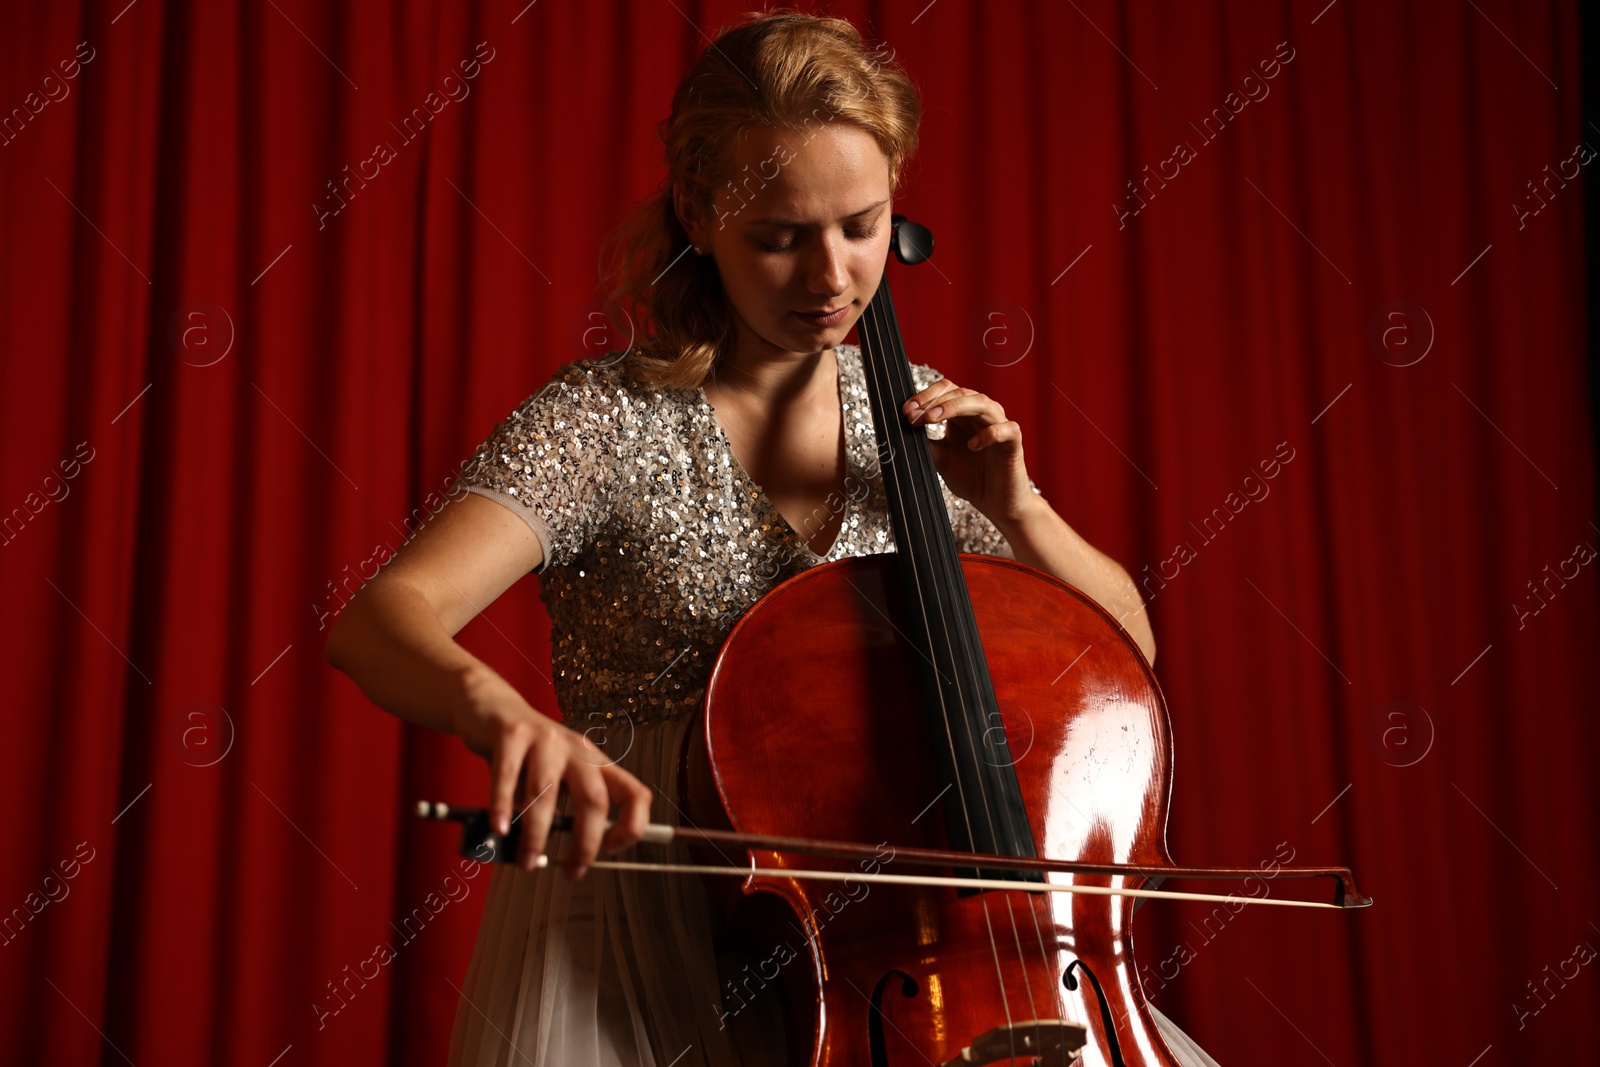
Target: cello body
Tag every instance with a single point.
(969, 704)
(814, 727)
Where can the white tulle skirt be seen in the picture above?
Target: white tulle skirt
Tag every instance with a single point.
(617, 969)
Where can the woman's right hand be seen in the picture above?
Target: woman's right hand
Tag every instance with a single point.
(530, 757)
(396, 639)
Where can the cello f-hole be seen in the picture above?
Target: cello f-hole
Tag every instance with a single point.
(908, 989)
(1105, 1008)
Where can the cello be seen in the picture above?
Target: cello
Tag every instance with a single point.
(982, 716)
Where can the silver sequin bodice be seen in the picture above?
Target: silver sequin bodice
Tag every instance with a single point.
(655, 538)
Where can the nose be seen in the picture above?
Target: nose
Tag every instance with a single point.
(827, 273)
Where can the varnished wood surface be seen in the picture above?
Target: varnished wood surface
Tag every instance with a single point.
(814, 728)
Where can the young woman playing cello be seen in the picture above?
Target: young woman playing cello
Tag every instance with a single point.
(659, 493)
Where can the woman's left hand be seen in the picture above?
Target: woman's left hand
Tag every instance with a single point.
(980, 457)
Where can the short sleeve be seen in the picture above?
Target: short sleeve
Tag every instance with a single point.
(973, 530)
(553, 458)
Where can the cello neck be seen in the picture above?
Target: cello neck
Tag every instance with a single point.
(982, 800)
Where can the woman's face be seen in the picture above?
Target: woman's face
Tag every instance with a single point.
(803, 229)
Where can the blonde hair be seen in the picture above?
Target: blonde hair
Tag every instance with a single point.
(780, 69)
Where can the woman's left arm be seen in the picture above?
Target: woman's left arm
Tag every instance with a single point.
(980, 459)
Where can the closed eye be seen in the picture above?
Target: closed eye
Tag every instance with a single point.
(789, 244)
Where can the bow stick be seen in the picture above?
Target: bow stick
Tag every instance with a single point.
(480, 842)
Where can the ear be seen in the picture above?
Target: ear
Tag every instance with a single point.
(692, 221)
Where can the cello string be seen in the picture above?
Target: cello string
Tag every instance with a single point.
(914, 512)
(892, 470)
(959, 626)
(961, 621)
(954, 628)
(885, 361)
(922, 491)
(970, 647)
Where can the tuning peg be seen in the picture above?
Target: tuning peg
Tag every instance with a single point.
(913, 242)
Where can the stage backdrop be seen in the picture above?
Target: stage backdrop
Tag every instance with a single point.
(1286, 297)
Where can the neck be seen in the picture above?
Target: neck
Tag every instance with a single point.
(761, 373)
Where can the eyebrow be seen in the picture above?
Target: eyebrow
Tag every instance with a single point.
(869, 209)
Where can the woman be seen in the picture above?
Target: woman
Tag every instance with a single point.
(661, 494)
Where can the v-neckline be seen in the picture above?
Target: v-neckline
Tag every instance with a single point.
(761, 493)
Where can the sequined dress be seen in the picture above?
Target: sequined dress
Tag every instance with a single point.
(655, 541)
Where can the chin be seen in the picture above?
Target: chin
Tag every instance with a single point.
(809, 341)
(822, 341)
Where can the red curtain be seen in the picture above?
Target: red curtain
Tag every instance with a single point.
(1286, 297)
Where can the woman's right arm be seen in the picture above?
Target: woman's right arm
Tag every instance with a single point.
(396, 640)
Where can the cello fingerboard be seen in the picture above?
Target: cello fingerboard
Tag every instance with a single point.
(982, 803)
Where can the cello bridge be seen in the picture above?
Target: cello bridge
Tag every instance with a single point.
(1048, 1042)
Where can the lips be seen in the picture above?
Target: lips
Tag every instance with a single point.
(824, 318)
